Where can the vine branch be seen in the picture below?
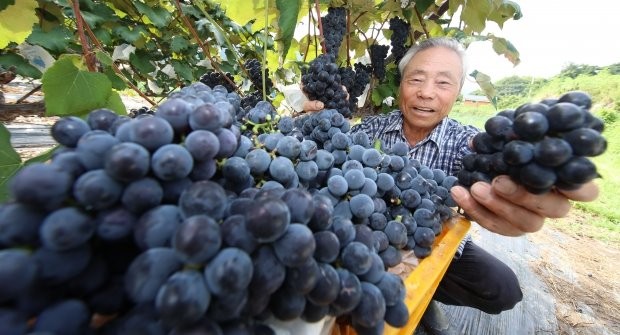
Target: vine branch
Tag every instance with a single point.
(417, 13)
(204, 48)
(88, 55)
(116, 69)
(318, 14)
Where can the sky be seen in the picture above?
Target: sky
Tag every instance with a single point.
(550, 35)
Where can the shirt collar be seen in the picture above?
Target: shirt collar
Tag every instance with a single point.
(396, 124)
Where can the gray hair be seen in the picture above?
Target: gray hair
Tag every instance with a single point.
(446, 42)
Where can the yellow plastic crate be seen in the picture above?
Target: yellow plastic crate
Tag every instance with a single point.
(422, 282)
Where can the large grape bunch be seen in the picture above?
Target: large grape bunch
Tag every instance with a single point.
(254, 69)
(542, 145)
(400, 33)
(334, 28)
(378, 55)
(177, 223)
(321, 81)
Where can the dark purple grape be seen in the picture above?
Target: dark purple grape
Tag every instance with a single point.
(531, 107)
(552, 151)
(537, 177)
(579, 98)
(578, 170)
(565, 116)
(499, 127)
(518, 152)
(586, 142)
(530, 126)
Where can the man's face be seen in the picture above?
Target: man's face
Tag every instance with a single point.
(429, 87)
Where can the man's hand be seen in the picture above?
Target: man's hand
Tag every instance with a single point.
(508, 209)
(313, 106)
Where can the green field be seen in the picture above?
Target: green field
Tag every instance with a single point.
(599, 219)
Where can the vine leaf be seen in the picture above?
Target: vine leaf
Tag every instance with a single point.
(5, 3)
(475, 14)
(507, 10)
(23, 67)
(502, 46)
(484, 81)
(11, 163)
(71, 91)
(56, 39)
(16, 22)
(287, 21)
(158, 15)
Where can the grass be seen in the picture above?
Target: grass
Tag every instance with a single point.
(599, 219)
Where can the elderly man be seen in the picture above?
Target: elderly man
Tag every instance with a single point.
(432, 75)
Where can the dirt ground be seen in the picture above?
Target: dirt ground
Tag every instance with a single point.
(584, 277)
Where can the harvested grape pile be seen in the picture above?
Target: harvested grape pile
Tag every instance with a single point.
(207, 217)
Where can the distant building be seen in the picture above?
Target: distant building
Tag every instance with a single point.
(475, 100)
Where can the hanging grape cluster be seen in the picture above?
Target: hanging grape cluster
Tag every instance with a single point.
(540, 145)
(214, 78)
(254, 69)
(400, 33)
(355, 81)
(378, 54)
(334, 28)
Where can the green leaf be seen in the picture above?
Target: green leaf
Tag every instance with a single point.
(158, 15)
(115, 103)
(5, 3)
(183, 70)
(130, 35)
(287, 21)
(423, 5)
(104, 58)
(9, 162)
(484, 81)
(55, 40)
(475, 14)
(16, 22)
(141, 61)
(505, 48)
(70, 91)
(117, 82)
(22, 66)
(98, 14)
(507, 10)
(179, 43)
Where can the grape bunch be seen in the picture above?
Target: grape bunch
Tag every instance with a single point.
(334, 28)
(355, 82)
(400, 33)
(178, 223)
(135, 112)
(378, 54)
(213, 78)
(321, 81)
(539, 145)
(255, 72)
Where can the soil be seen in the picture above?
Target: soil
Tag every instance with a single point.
(583, 276)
